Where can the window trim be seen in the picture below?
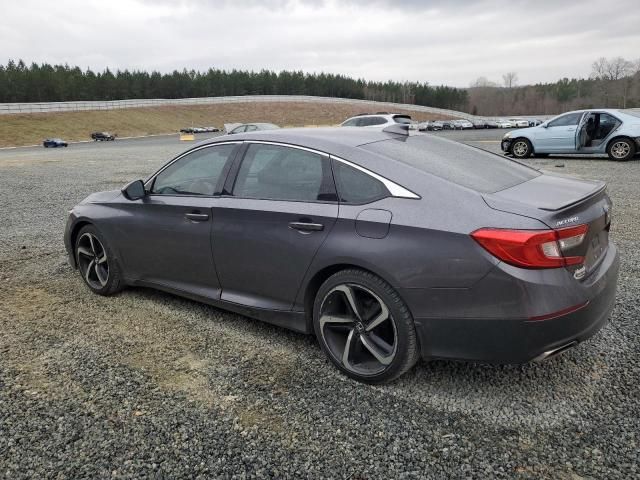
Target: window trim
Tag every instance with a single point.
(396, 191)
(148, 183)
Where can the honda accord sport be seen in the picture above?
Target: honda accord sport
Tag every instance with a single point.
(389, 247)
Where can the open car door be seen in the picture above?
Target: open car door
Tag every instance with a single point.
(581, 132)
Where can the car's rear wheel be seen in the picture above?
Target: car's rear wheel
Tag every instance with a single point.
(521, 148)
(364, 327)
(621, 149)
(96, 262)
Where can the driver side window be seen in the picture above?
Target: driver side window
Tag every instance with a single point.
(196, 173)
(566, 120)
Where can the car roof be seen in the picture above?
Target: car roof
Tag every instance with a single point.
(326, 139)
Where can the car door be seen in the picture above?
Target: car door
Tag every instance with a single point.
(558, 135)
(282, 206)
(166, 235)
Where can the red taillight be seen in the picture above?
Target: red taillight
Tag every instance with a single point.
(532, 248)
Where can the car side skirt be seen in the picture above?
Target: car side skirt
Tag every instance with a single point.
(289, 319)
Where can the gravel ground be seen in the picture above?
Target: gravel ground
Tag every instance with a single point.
(148, 385)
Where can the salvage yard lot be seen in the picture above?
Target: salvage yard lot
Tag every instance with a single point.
(145, 384)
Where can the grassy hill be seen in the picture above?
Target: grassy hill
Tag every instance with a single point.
(30, 129)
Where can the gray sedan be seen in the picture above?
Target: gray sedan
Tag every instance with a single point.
(387, 247)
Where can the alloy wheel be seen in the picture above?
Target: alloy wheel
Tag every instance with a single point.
(93, 261)
(358, 329)
(620, 149)
(520, 148)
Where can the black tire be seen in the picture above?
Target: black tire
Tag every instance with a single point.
(87, 253)
(621, 149)
(373, 297)
(521, 148)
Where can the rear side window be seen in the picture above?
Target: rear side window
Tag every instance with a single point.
(355, 186)
(281, 173)
(369, 121)
(460, 164)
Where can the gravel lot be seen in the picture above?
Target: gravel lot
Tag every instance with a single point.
(148, 385)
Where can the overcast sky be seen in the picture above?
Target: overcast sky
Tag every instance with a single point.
(439, 42)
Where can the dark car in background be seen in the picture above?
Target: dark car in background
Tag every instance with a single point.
(102, 137)
(54, 142)
(387, 246)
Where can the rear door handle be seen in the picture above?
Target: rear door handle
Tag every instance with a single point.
(306, 227)
(197, 217)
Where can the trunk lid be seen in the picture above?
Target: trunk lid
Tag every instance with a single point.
(560, 202)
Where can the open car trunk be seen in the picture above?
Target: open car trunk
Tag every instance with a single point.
(562, 202)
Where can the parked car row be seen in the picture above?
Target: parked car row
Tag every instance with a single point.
(199, 130)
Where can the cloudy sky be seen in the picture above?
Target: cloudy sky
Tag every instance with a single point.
(439, 42)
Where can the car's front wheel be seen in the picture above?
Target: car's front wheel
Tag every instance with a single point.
(621, 149)
(96, 262)
(364, 327)
(521, 148)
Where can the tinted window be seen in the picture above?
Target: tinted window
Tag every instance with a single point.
(239, 129)
(251, 128)
(196, 173)
(566, 120)
(368, 121)
(402, 119)
(282, 173)
(460, 164)
(355, 186)
(351, 123)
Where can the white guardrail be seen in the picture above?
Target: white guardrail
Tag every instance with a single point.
(367, 105)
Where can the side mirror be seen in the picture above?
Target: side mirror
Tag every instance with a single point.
(134, 190)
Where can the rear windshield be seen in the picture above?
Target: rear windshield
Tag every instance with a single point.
(460, 164)
(404, 119)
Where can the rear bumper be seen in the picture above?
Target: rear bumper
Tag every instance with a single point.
(509, 340)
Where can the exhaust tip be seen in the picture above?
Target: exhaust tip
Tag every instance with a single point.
(555, 352)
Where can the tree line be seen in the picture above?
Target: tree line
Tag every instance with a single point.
(59, 83)
(613, 83)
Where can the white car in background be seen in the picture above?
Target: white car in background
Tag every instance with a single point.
(463, 124)
(502, 123)
(379, 120)
(519, 122)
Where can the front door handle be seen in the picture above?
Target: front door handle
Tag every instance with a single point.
(306, 226)
(197, 217)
